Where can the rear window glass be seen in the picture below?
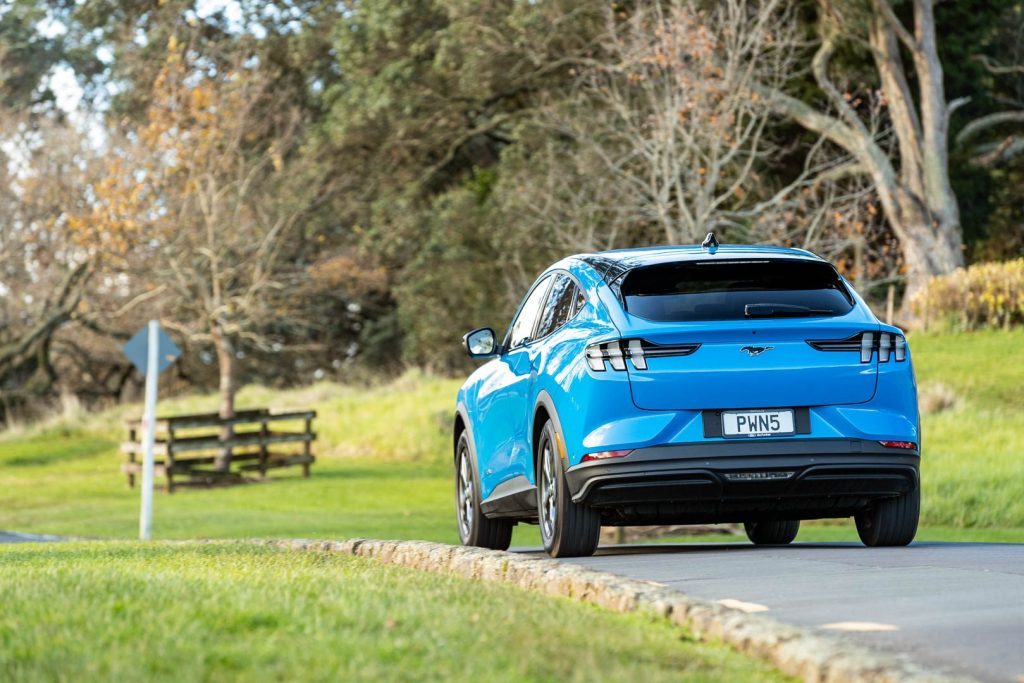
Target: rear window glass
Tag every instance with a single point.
(735, 290)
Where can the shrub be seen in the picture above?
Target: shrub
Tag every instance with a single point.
(982, 295)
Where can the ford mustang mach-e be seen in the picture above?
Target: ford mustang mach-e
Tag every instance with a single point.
(683, 385)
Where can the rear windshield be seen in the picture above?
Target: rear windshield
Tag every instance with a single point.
(735, 290)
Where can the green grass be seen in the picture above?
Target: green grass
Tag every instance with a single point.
(383, 468)
(986, 368)
(382, 472)
(973, 458)
(225, 612)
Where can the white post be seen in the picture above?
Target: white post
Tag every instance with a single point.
(149, 432)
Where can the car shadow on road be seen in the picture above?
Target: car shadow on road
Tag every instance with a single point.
(693, 548)
(684, 548)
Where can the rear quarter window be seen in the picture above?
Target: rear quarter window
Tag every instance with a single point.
(559, 307)
(735, 290)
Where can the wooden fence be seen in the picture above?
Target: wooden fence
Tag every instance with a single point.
(187, 446)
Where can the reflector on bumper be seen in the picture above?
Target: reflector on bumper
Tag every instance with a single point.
(604, 455)
(907, 445)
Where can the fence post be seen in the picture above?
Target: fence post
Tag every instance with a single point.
(263, 448)
(307, 447)
(132, 438)
(169, 459)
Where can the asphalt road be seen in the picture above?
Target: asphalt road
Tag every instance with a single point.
(12, 537)
(958, 606)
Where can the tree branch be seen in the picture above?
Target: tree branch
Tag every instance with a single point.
(987, 121)
(831, 127)
(67, 298)
(819, 67)
(998, 69)
(887, 13)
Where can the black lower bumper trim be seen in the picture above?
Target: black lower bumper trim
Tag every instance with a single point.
(726, 482)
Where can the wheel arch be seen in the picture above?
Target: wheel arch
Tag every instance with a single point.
(543, 411)
(461, 424)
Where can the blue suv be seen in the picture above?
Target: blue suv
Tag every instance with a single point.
(686, 385)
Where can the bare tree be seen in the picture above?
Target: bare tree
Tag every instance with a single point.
(42, 277)
(678, 103)
(668, 109)
(210, 193)
(914, 189)
(833, 210)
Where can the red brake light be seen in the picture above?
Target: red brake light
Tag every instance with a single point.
(604, 455)
(908, 445)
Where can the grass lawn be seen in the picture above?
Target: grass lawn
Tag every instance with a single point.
(128, 612)
(383, 468)
(973, 458)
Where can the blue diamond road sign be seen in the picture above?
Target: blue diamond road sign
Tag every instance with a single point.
(137, 350)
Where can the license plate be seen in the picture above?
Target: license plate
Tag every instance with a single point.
(757, 423)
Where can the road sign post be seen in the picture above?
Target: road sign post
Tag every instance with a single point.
(151, 351)
(149, 432)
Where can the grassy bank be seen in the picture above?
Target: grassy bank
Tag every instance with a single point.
(383, 467)
(233, 612)
(973, 460)
(380, 473)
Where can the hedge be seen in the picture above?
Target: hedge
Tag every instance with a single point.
(981, 295)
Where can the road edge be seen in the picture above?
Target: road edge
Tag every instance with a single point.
(794, 650)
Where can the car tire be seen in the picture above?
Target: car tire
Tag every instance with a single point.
(567, 529)
(474, 528)
(774, 532)
(890, 521)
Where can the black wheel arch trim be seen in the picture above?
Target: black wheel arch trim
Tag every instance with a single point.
(545, 401)
(462, 414)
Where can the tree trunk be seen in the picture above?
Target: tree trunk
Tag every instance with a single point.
(226, 366)
(927, 252)
(930, 238)
(916, 193)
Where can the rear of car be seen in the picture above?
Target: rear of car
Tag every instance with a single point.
(686, 385)
(782, 398)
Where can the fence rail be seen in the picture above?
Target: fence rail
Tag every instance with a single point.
(190, 444)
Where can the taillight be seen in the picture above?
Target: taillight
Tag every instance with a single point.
(906, 445)
(866, 343)
(867, 346)
(604, 455)
(610, 352)
(638, 351)
(901, 348)
(635, 349)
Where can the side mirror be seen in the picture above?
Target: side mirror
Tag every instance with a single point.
(480, 343)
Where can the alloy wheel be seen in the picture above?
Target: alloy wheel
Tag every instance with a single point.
(464, 495)
(548, 488)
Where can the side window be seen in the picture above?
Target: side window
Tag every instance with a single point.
(581, 301)
(559, 305)
(522, 328)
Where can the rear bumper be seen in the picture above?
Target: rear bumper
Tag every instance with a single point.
(744, 480)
